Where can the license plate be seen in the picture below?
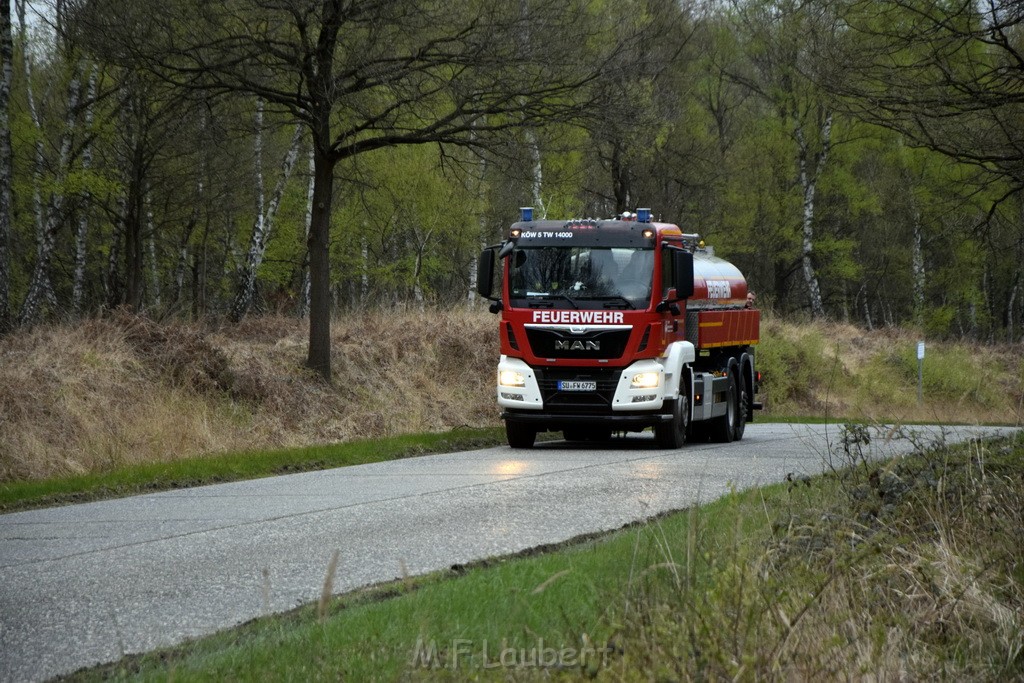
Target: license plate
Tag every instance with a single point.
(577, 386)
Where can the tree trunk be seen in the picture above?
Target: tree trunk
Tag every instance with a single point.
(532, 144)
(133, 241)
(473, 264)
(154, 274)
(1011, 304)
(6, 161)
(364, 274)
(39, 286)
(133, 177)
(113, 279)
(190, 227)
(620, 180)
(917, 262)
(417, 284)
(40, 160)
(537, 176)
(867, 307)
(261, 231)
(809, 182)
(40, 289)
(319, 357)
(82, 233)
(304, 289)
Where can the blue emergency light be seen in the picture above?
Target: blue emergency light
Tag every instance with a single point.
(643, 215)
(526, 213)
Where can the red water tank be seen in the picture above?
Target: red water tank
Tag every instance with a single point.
(716, 283)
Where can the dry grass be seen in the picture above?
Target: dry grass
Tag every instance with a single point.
(124, 389)
(840, 371)
(909, 571)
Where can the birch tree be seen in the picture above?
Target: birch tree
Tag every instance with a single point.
(811, 165)
(82, 232)
(40, 288)
(6, 159)
(307, 224)
(779, 35)
(263, 225)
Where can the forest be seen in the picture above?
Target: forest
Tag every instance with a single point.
(859, 161)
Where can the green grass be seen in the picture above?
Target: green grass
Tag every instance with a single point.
(146, 478)
(903, 569)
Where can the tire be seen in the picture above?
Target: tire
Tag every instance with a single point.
(672, 434)
(723, 427)
(519, 435)
(742, 402)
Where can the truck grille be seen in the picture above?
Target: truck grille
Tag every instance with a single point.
(596, 402)
(607, 344)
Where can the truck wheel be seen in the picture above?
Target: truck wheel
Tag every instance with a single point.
(723, 428)
(672, 434)
(519, 435)
(741, 407)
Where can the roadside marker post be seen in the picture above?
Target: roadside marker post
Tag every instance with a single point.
(920, 372)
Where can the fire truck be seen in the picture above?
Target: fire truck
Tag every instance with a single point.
(619, 325)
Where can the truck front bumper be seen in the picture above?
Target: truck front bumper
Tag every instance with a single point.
(560, 421)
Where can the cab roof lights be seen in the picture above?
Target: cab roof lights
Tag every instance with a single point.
(643, 215)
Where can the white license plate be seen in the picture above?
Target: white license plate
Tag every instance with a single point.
(577, 386)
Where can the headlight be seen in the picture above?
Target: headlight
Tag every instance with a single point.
(511, 378)
(645, 380)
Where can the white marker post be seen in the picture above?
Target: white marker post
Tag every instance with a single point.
(920, 372)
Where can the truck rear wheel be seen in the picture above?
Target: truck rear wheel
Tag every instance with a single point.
(672, 434)
(519, 435)
(723, 428)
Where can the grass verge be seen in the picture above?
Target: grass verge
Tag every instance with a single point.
(907, 569)
(197, 471)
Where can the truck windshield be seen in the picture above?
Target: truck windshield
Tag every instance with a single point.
(618, 277)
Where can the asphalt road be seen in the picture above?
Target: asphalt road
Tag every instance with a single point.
(85, 584)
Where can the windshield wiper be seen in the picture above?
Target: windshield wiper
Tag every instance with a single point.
(569, 299)
(617, 297)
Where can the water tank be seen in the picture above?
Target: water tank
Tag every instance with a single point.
(716, 283)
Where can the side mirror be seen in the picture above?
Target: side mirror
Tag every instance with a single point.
(485, 273)
(682, 269)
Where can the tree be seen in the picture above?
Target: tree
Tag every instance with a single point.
(365, 75)
(263, 225)
(6, 158)
(949, 76)
(779, 35)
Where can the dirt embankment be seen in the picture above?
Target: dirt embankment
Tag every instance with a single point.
(123, 389)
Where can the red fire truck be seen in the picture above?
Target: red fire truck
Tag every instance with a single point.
(618, 325)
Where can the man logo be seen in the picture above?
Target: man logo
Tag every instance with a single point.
(577, 345)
